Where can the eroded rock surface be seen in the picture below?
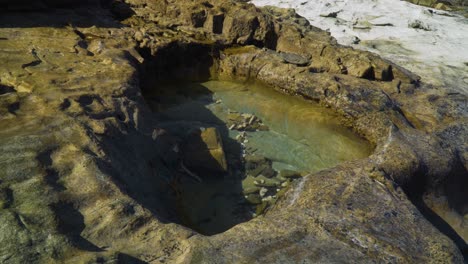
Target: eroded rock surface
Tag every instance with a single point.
(424, 40)
(86, 173)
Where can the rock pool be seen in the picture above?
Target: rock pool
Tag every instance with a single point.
(269, 140)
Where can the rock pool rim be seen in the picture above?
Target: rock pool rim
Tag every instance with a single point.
(200, 62)
(182, 64)
(203, 62)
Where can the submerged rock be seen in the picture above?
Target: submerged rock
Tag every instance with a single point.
(254, 198)
(203, 149)
(250, 190)
(289, 174)
(245, 122)
(256, 165)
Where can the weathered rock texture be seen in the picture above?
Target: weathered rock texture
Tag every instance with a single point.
(84, 173)
(443, 5)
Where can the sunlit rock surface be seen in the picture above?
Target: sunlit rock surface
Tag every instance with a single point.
(431, 43)
(85, 169)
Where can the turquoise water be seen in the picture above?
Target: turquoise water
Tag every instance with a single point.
(302, 137)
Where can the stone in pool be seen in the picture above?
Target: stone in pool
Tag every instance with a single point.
(203, 150)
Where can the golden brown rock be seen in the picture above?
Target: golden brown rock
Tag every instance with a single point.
(85, 172)
(204, 149)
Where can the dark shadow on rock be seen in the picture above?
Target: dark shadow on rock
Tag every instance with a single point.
(155, 177)
(216, 203)
(5, 89)
(37, 4)
(71, 224)
(454, 184)
(127, 259)
(457, 195)
(12, 108)
(442, 226)
(52, 176)
(58, 13)
(136, 168)
(119, 9)
(148, 167)
(177, 62)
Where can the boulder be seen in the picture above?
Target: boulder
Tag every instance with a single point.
(203, 150)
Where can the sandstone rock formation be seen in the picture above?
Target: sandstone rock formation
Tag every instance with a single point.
(85, 172)
(442, 5)
(204, 149)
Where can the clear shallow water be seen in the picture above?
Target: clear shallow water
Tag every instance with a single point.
(302, 137)
(302, 134)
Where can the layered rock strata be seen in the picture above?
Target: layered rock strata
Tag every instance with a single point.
(82, 171)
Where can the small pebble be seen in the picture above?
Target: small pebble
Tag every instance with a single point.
(251, 190)
(281, 179)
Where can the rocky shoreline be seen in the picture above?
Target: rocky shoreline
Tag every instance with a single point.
(81, 152)
(424, 40)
